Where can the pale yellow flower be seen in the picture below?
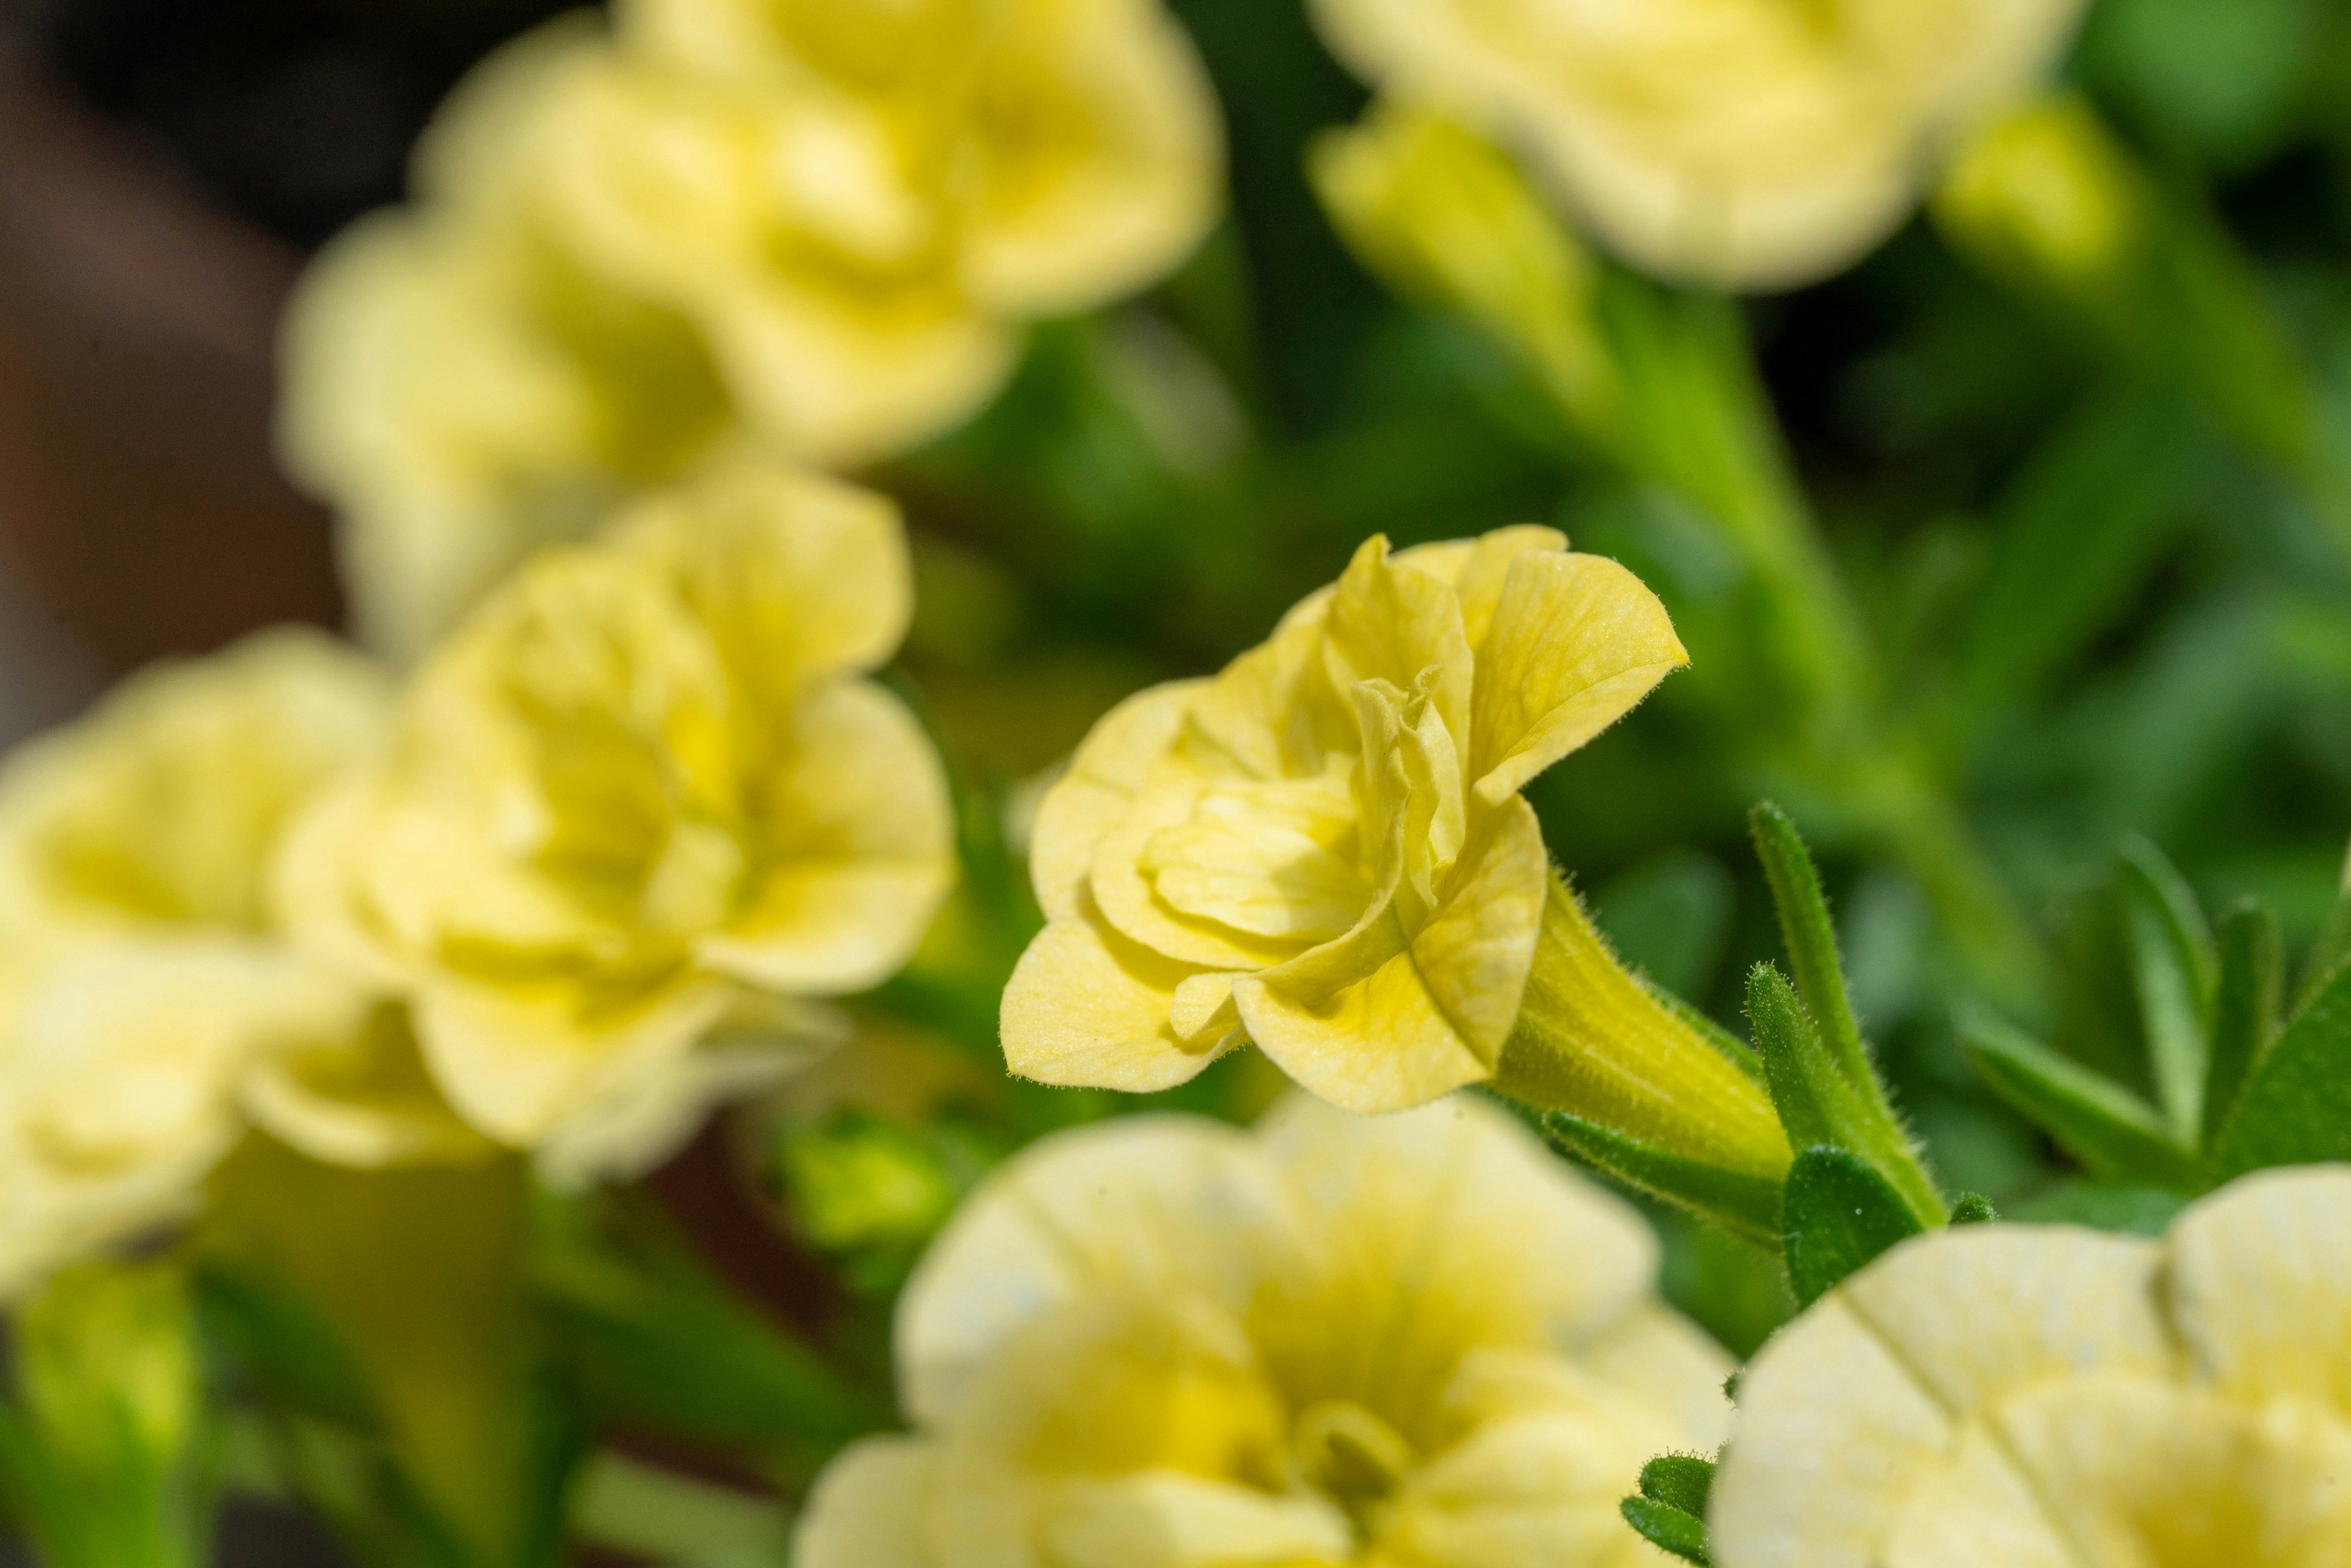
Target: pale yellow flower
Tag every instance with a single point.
(1323, 850)
(461, 386)
(1744, 143)
(2051, 1397)
(1416, 1341)
(641, 794)
(148, 1001)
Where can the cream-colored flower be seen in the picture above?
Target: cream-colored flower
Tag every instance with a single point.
(148, 1001)
(461, 386)
(643, 791)
(1323, 850)
(2051, 1397)
(1417, 1342)
(1745, 143)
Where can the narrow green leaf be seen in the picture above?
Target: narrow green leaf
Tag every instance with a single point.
(1818, 1105)
(2174, 972)
(2297, 1107)
(1811, 937)
(1744, 1205)
(2244, 1010)
(1973, 1208)
(1667, 1528)
(1841, 1212)
(2110, 1130)
(1679, 1480)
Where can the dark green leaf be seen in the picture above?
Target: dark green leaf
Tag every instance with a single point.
(1840, 1214)
(1667, 1528)
(1745, 1206)
(1679, 1480)
(2244, 1010)
(1973, 1208)
(2107, 1128)
(2297, 1108)
(2173, 969)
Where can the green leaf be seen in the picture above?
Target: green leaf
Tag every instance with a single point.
(1667, 1528)
(2244, 1010)
(1744, 1205)
(1818, 1105)
(1811, 937)
(2107, 1128)
(1840, 1214)
(2174, 972)
(1973, 1208)
(1679, 1480)
(2332, 951)
(2297, 1108)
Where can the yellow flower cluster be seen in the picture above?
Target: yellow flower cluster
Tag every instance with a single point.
(644, 793)
(1740, 143)
(1323, 850)
(1417, 1339)
(2046, 1397)
(808, 228)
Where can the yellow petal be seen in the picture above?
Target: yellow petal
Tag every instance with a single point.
(1477, 569)
(1165, 1520)
(359, 1097)
(1274, 859)
(856, 845)
(1271, 712)
(637, 1123)
(1394, 623)
(1088, 799)
(1477, 948)
(1379, 1044)
(1531, 1492)
(868, 1508)
(797, 576)
(1576, 641)
(1170, 795)
(1663, 1362)
(2260, 1284)
(1086, 1007)
(1146, 1207)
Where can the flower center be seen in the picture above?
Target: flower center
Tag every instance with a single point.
(1352, 1457)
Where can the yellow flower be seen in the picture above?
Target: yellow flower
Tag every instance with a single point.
(2048, 1397)
(461, 386)
(1323, 849)
(148, 1001)
(641, 798)
(1743, 143)
(1164, 1342)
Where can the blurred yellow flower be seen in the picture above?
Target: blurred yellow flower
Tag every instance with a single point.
(1740, 143)
(146, 999)
(639, 800)
(810, 228)
(1164, 1342)
(1323, 850)
(2052, 1396)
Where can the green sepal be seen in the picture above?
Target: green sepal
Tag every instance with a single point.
(2245, 1005)
(2297, 1106)
(1667, 1528)
(1973, 1208)
(2174, 972)
(1810, 939)
(1819, 1106)
(1840, 1213)
(2111, 1131)
(1743, 1205)
(1679, 1480)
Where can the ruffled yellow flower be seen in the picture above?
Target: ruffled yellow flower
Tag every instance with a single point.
(2054, 1397)
(638, 801)
(461, 386)
(148, 1001)
(1743, 144)
(1164, 1342)
(1323, 849)
(728, 227)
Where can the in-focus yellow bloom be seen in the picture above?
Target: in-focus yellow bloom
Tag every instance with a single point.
(1741, 143)
(641, 799)
(1163, 1343)
(808, 228)
(148, 1001)
(2051, 1397)
(1323, 850)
